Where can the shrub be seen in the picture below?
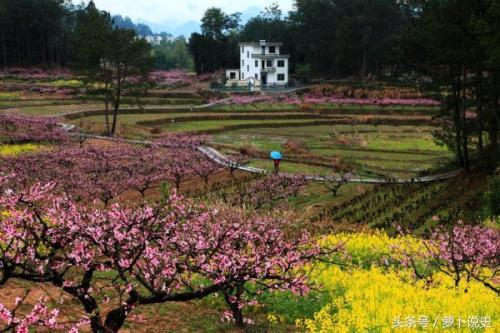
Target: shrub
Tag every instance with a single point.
(495, 196)
(21, 129)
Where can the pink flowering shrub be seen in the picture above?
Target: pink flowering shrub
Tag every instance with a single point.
(465, 250)
(169, 79)
(34, 73)
(39, 316)
(266, 191)
(309, 99)
(470, 114)
(460, 251)
(179, 251)
(104, 173)
(21, 129)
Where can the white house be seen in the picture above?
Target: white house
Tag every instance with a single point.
(261, 64)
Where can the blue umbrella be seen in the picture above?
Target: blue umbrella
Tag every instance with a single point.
(276, 155)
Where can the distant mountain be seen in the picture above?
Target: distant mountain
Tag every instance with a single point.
(142, 30)
(187, 28)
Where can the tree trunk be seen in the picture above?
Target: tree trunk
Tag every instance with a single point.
(106, 108)
(495, 121)
(234, 306)
(465, 138)
(4, 47)
(479, 107)
(363, 65)
(457, 120)
(115, 319)
(116, 103)
(19, 54)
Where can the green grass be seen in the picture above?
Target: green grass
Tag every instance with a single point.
(7, 96)
(375, 150)
(67, 83)
(128, 119)
(292, 167)
(47, 110)
(402, 142)
(198, 126)
(353, 153)
(31, 103)
(315, 197)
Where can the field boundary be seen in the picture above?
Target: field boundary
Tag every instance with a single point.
(223, 160)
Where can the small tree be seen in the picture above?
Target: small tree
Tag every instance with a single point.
(460, 251)
(117, 59)
(124, 67)
(334, 182)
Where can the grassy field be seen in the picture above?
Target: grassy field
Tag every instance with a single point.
(7, 96)
(199, 126)
(383, 150)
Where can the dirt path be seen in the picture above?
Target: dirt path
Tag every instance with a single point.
(152, 107)
(224, 161)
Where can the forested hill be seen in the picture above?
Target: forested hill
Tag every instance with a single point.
(142, 30)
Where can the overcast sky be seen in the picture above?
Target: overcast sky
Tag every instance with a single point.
(178, 12)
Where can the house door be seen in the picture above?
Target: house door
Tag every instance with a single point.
(264, 78)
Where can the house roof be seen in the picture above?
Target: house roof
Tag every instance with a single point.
(263, 44)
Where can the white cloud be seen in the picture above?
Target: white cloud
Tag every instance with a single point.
(177, 12)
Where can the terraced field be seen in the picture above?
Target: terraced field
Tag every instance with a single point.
(375, 140)
(381, 150)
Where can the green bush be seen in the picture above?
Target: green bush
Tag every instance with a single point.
(495, 196)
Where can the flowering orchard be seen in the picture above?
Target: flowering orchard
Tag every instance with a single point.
(176, 78)
(21, 129)
(65, 223)
(176, 252)
(36, 73)
(169, 79)
(89, 173)
(321, 99)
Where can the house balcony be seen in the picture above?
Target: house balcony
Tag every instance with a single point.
(268, 69)
(268, 56)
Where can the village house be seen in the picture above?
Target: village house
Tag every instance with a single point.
(261, 64)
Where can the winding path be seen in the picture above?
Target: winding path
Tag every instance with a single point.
(223, 160)
(150, 107)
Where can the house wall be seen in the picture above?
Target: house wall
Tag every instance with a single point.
(247, 63)
(251, 68)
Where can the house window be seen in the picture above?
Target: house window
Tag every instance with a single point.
(243, 63)
(263, 49)
(256, 76)
(256, 63)
(281, 63)
(281, 77)
(242, 49)
(248, 54)
(248, 68)
(269, 63)
(232, 76)
(242, 76)
(272, 49)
